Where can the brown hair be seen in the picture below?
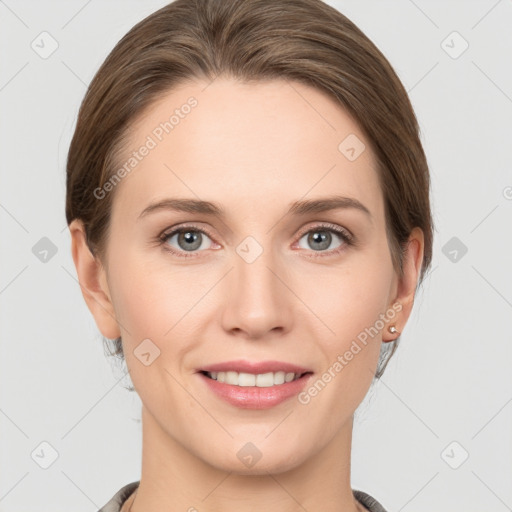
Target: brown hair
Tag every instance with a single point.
(250, 40)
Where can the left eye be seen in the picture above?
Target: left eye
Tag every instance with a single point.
(320, 239)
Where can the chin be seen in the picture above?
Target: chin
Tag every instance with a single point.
(249, 460)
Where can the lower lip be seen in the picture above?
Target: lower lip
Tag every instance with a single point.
(254, 397)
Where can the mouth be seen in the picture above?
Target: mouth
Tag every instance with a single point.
(260, 380)
(255, 390)
(254, 384)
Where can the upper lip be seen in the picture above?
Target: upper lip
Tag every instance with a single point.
(255, 367)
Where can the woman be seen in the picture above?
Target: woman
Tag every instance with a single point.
(248, 201)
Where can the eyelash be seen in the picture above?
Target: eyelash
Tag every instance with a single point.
(346, 237)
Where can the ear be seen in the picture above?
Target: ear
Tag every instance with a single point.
(407, 284)
(93, 282)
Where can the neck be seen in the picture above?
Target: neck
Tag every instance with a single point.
(174, 479)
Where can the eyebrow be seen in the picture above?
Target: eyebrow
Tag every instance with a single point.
(301, 207)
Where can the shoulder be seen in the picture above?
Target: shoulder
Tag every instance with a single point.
(116, 502)
(368, 501)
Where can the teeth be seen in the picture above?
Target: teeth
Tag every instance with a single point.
(262, 380)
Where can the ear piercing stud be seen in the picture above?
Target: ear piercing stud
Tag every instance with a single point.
(392, 329)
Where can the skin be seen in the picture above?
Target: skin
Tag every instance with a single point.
(254, 149)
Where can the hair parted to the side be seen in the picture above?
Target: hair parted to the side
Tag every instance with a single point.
(251, 40)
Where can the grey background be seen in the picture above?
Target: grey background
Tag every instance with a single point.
(450, 380)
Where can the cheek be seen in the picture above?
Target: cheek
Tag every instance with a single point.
(156, 301)
(352, 304)
(351, 300)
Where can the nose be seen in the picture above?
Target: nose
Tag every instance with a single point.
(258, 301)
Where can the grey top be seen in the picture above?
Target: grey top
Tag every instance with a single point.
(116, 502)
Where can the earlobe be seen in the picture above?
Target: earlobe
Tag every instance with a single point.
(407, 285)
(93, 282)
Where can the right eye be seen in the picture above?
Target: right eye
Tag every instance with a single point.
(187, 239)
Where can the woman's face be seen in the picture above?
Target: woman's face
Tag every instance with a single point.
(268, 280)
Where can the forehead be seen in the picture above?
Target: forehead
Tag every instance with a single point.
(276, 141)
